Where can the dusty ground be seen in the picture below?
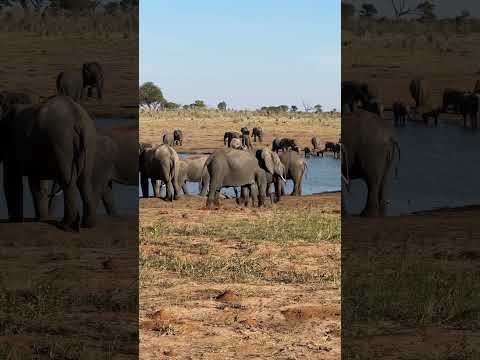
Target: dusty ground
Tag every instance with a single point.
(417, 280)
(32, 62)
(69, 296)
(240, 283)
(204, 130)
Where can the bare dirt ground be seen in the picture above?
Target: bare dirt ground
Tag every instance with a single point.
(69, 296)
(240, 283)
(204, 130)
(410, 283)
(32, 62)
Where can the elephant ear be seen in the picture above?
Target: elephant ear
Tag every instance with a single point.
(279, 167)
(268, 160)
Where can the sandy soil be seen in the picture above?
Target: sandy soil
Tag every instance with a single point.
(238, 282)
(32, 62)
(69, 296)
(203, 131)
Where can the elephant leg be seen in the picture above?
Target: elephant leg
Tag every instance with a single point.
(89, 204)
(144, 184)
(157, 187)
(108, 200)
(176, 189)
(39, 190)
(169, 191)
(374, 181)
(71, 218)
(254, 195)
(204, 185)
(99, 87)
(184, 189)
(13, 185)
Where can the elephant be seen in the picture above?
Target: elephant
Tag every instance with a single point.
(356, 92)
(141, 162)
(229, 135)
(420, 91)
(56, 141)
(192, 169)
(236, 144)
(115, 162)
(307, 151)
(274, 173)
(178, 137)
(295, 167)
(257, 133)
(168, 139)
(231, 167)
(246, 143)
(454, 98)
(161, 163)
(400, 113)
(471, 108)
(368, 148)
(93, 78)
(374, 105)
(316, 143)
(245, 131)
(275, 145)
(73, 82)
(286, 144)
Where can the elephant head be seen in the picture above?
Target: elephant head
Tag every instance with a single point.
(270, 161)
(93, 76)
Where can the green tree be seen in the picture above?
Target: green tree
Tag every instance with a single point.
(222, 106)
(368, 10)
(150, 93)
(199, 104)
(283, 108)
(293, 108)
(171, 105)
(318, 108)
(348, 10)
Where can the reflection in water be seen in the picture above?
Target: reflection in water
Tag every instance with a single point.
(322, 175)
(438, 168)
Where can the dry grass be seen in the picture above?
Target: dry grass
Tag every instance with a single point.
(203, 130)
(281, 268)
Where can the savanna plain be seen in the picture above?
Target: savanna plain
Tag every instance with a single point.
(239, 282)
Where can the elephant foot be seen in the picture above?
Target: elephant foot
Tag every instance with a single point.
(71, 226)
(89, 222)
(369, 213)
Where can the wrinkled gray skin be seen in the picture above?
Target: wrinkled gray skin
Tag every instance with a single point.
(116, 161)
(368, 149)
(168, 139)
(161, 163)
(56, 141)
(257, 133)
(275, 174)
(231, 167)
(295, 166)
(192, 169)
(74, 82)
(236, 144)
(142, 168)
(178, 137)
(246, 142)
(229, 135)
(316, 143)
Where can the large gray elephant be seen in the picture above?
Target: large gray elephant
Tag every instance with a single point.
(116, 161)
(420, 91)
(316, 143)
(73, 83)
(269, 161)
(295, 167)
(143, 170)
(231, 167)
(55, 140)
(368, 149)
(192, 169)
(161, 163)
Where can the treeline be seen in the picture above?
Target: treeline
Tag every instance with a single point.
(151, 96)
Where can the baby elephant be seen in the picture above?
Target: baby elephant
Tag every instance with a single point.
(178, 137)
(257, 133)
(400, 113)
(229, 135)
(307, 152)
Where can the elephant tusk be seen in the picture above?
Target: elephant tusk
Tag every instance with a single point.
(285, 181)
(345, 179)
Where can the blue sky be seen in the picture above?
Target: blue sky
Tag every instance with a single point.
(249, 53)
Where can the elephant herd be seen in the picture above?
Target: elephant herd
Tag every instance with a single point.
(237, 165)
(56, 139)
